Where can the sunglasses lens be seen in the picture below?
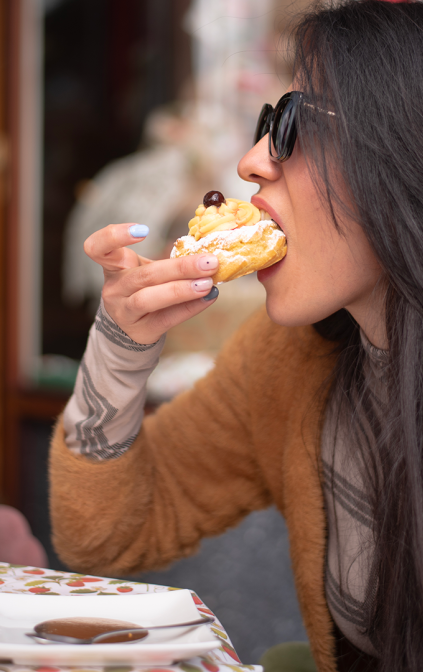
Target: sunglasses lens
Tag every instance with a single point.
(284, 132)
(262, 127)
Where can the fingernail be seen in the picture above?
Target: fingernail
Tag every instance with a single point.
(208, 261)
(139, 230)
(201, 284)
(213, 294)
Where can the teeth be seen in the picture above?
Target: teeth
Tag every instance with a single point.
(264, 216)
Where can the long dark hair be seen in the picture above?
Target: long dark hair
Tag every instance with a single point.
(363, 60)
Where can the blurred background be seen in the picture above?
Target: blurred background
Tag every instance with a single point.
(129, 110)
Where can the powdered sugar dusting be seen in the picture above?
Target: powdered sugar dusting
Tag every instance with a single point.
(225, 238)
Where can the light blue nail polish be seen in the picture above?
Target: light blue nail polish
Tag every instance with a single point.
(139, 230)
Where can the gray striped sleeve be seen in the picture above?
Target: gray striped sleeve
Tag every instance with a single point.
(108, 327)
(105, 412)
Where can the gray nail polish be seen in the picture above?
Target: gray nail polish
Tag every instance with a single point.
(213, 294)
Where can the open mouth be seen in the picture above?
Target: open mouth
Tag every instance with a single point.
(279, 227)
(265, 216)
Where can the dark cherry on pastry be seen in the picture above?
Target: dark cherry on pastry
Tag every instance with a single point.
(213, 198)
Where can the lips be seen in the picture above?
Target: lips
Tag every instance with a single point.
(260, 203)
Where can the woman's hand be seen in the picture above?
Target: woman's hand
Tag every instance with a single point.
(144, 297)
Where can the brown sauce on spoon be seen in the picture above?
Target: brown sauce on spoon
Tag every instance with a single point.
(84, 628)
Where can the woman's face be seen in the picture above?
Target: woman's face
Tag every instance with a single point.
(324, 270)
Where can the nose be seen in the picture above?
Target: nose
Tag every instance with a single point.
(257, 166)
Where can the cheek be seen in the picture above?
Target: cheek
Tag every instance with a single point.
(316, 250)
(323, 272)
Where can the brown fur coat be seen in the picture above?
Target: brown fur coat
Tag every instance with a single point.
(246, 437)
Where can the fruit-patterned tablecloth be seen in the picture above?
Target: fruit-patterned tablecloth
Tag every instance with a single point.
(38, 581)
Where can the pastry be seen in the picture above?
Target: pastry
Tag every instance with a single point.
(244, 238)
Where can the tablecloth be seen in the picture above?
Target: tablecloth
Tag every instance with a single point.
(38, 581)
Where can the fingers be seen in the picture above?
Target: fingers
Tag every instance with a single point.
(107, 247)
(129, 309)
(149, 328)
(147, 297)
(166, 271)
(153, 299)
(142, 314)
(174, 315)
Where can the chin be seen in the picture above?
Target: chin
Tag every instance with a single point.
(278, 313)
(289, 313)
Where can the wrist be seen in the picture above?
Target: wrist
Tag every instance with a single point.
(105, 323)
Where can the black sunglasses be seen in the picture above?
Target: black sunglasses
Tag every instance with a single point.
(280, 124)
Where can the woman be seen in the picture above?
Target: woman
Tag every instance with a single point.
(325, 421)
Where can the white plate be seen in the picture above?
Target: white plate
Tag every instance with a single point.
(20, 613)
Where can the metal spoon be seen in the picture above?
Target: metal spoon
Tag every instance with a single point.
(124, 635)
